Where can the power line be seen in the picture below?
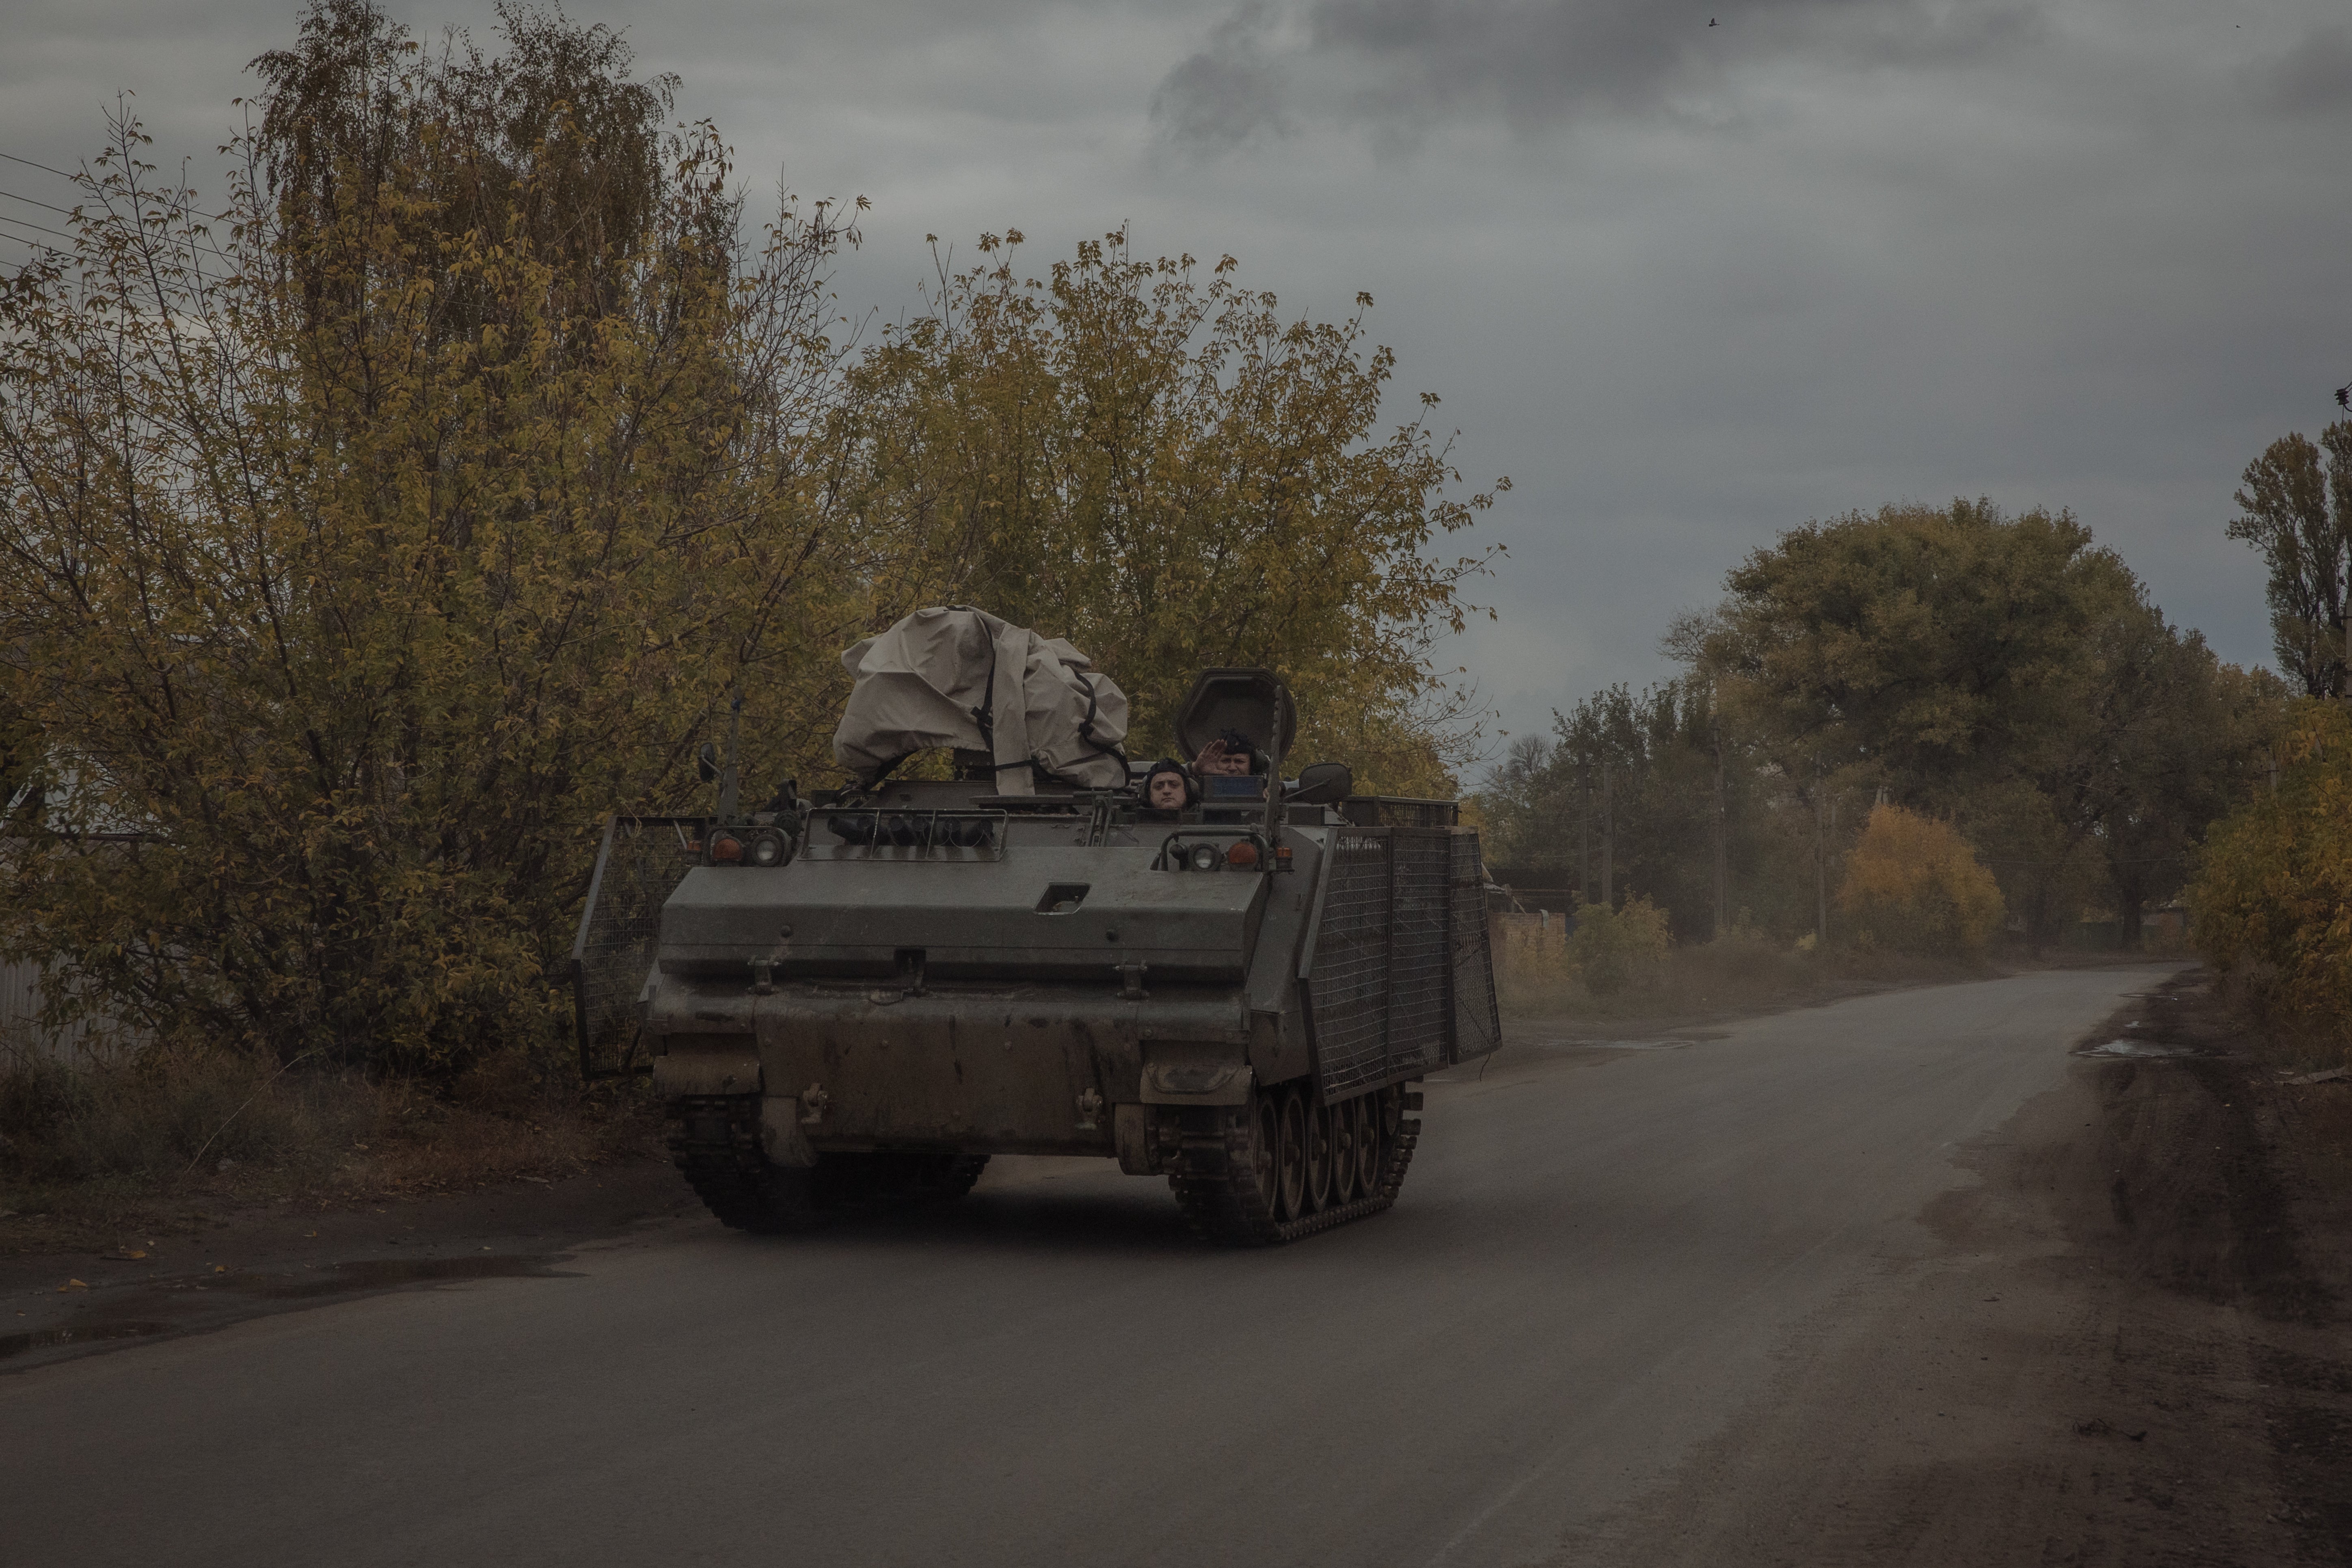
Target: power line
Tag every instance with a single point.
(20, 223)
(30, 201)
(43, 168)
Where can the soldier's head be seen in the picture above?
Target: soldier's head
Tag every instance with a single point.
(1230, 754)
(1167, 787)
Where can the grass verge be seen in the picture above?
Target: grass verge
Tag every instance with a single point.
(91, 1147)
(2291, 1049)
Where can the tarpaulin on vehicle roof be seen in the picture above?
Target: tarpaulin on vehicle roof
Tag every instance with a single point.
(953, 675)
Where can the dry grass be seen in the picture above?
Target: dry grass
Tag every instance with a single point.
(99, 1143)
(2289, 1043)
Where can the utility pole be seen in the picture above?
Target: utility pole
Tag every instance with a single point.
(1584, 845)
(1608, 839)
(1821, 866)
(1722, 840)
(731, 780)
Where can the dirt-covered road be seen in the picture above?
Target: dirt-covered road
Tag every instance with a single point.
(1899, 1280)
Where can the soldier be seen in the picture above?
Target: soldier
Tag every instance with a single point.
(1231, 755)
(1168, 789)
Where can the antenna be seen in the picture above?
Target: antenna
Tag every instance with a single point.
(732, 776)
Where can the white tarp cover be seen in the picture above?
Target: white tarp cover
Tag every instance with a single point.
(939, 676)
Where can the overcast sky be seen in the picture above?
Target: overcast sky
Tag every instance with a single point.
(1687, 284)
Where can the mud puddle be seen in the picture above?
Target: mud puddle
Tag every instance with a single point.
(2139, 1048)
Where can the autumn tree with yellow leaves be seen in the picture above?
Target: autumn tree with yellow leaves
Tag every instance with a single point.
(361, 544)
(1149, 460)
(1912, 884)
(366, 539)
(2273, 897)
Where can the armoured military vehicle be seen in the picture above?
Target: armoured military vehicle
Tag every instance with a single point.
(863, 994)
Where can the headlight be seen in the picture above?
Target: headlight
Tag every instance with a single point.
(1204, 857)
(1244, 853)
(726, 849)
(767, 848)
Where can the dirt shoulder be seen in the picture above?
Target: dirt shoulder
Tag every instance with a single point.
(203, 1266)
(2134, 1347)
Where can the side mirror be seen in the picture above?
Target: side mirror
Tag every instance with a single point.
(706, 762)
(1323, 784)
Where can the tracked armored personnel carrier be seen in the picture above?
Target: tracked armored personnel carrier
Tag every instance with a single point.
(862, 996)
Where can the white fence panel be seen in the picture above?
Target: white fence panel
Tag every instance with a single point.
(21, 1032)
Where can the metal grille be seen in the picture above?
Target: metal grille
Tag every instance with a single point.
(1347, 990)
(1399, 811)
(1418, 959)
(642, 862)
(1478, 1027)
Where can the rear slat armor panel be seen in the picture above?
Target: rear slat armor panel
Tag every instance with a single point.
(1401, 981)
(1348, 989)
(639, 867)
(1478, 1025)
(1420, 999)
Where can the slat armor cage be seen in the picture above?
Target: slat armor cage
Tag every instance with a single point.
(1400, 981)
(640, 863)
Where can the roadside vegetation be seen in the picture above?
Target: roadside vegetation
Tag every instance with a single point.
(1961, 737)
(372, 527)
(1996, 683)
(110, 1143)
(2272, 898)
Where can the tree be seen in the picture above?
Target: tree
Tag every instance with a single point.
(2178, 739)
(1913, 884)
(2296, 508)
(2005, 672)
(1923, 645)
(1169, 472)
(1525, 815)
(360, 547)
(2273, 897)
(1640, 767)
(20, 751)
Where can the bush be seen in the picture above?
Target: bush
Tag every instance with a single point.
(2271, 902)
(1612, 948)
(1914, 884)
(153, 1116)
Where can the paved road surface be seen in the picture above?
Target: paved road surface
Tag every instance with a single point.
(1597, 1255)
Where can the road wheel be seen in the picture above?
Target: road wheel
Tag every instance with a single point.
(1319, 1156)
(1370, 1144)
(1290, 1157)
(1343, 1152)
(768, 1200)
(1266, 1148)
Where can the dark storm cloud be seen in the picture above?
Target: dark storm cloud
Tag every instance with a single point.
(1531, 62)
(1688, 286)
(2315, 76)
(1232, 90)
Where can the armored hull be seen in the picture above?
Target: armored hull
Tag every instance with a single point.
(1241, 999)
